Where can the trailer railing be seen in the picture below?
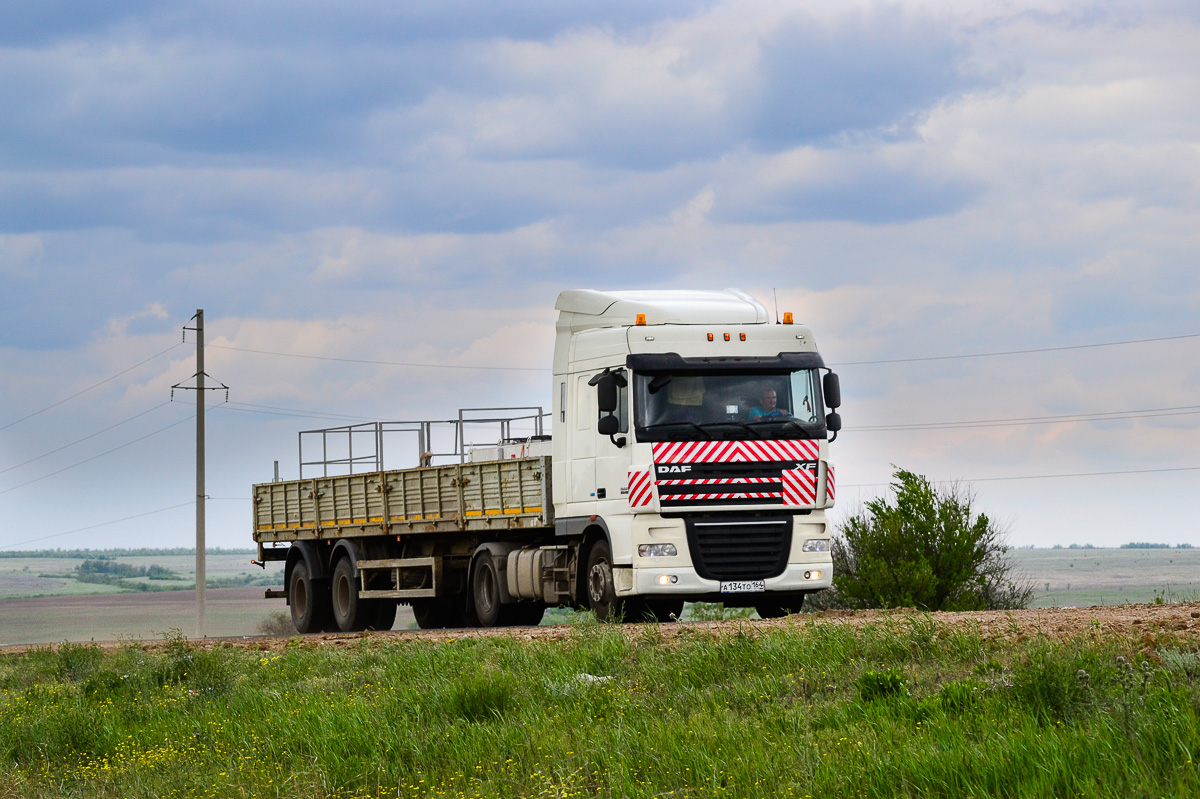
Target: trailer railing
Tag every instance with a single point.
(357, 448)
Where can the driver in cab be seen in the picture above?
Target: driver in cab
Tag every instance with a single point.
(767, 408)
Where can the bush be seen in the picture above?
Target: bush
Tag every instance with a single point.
(928, 549)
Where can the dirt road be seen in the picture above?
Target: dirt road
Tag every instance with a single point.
(1181, 620)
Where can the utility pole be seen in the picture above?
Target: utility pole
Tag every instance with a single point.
(199, 388)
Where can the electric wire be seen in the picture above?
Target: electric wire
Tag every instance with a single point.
(1099, 416)
(85, 438)
(108, 379)
(380, 363)
(98, 456)
(1036, 476)
(1020, 352)
(94, 526)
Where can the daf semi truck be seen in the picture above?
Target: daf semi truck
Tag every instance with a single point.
(688, 460)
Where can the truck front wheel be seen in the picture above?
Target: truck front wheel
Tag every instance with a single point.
(309, 600)
(602, 594)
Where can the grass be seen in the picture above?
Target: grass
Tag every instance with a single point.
(901, 708)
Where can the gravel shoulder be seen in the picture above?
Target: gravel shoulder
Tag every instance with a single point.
(1146, 622)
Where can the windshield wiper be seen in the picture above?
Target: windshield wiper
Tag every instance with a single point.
(748, 428)
(687, 425)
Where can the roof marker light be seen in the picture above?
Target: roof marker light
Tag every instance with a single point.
(641, 319)
(787, 317)
(727, 337)
(710, 336)
(742, 336)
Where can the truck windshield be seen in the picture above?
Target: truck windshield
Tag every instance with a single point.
(728, 406)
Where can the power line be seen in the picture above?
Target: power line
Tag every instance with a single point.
(94, 526)
(1019, 352)
(1101, 416)
(382, 363)
(101, 455)
(1037, 476)
(89, 388)
(85, 438)
(273, 410)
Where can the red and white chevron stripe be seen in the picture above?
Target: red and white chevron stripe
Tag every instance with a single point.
(800, 486)
(829, 484)
(692, 497)
(640, 488)
(735, 451)
(713, 481)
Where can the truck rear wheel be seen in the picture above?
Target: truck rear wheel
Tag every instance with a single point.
(349, 611)
(485, 591)
(309, 600)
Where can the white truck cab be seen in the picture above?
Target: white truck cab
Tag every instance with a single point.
(693, 431)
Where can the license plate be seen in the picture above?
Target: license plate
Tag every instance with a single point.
(743, 586)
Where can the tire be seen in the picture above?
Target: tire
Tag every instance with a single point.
(778, 608)
(383, 615)
(485, 591)
(601, 592)
(349, 611)
(309, 600)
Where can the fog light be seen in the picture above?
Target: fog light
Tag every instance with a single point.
(815, 574)
(667, 579)
(816, 545)
(657, 550)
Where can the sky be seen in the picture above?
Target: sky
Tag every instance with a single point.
(988, 213)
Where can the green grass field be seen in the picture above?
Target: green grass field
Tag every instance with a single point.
(900, 708)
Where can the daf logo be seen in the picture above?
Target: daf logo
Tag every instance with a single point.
(674, 469)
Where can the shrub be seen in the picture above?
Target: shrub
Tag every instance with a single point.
(928, 549)
(278, 623)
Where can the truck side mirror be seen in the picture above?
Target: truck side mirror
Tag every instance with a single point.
(833, 423)
(607, 426)
(606, 391)
(832, 389)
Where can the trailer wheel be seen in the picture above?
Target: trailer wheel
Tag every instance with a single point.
(485, 591)
(350, 612)
(309, 600)
(602, 594)
(778, 608)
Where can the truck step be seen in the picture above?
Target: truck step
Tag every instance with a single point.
(275, 593)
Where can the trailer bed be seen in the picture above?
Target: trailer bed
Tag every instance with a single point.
(490, 495)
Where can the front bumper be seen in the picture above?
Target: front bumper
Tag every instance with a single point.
(692, 586)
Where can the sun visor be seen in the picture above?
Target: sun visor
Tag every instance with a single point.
(657, 362)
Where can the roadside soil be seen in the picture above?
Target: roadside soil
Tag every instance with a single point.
(1149, 623)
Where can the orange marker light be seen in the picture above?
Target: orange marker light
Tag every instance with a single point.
(727, 337)
(641, 319)
(710, 337)
(742, 336)
(787, 318)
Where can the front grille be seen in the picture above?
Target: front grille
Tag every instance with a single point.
(739, 549)
(720, 484)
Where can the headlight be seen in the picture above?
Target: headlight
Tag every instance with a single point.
(657, 550)
(816, 545)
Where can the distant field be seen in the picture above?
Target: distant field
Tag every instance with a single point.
(1084, 577)
(36, 609)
